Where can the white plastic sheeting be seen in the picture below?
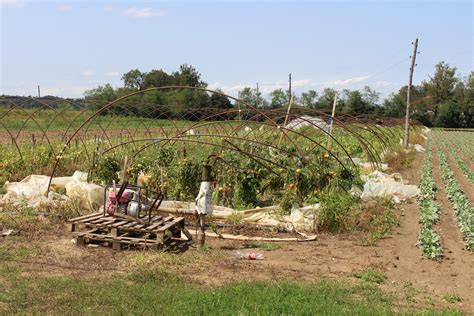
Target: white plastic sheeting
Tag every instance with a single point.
(379, 184)
(305, 120)
(32, 191)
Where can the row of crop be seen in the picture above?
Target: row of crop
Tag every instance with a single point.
(462, 165)
(428, 240)
(463, 141)
(464, 211)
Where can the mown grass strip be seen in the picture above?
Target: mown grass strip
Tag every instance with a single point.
(157, 292)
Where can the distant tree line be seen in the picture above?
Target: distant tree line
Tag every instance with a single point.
(444, 100)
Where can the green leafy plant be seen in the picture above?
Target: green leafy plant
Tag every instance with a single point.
(371, 275)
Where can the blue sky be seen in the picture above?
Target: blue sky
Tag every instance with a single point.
(68, 47)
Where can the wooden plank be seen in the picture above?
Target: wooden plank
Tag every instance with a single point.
(107, 223)
(115, 225)
(83, 217)
(90, 218)
(99, 220)
(161, 223)
(127, 226)
(155, 225)
(171, 224)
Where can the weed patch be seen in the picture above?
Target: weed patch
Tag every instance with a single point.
(371, 275)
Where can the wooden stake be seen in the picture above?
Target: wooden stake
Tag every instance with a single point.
(286, 118)
(333, 114)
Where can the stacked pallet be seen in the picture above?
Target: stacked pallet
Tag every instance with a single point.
(127, 232)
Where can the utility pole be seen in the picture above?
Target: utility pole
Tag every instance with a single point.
(410, 79)
(39, 94)
(289, 88)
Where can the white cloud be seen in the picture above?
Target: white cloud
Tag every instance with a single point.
(349, 81)
(65, 7)
(12, 3)
(137, 13)
(87, 73)
(301, 83)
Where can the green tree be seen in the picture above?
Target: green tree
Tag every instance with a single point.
(449, 115)
(463, 95)
(395, 105)
(326, 99)
(188, 76)
(309, 99)
(252, 97)
(219, 101)
(104, 93)
(441, 86)
(279, 98)
(157, 78)
(353, 102)
(133, 79)
(370, 96)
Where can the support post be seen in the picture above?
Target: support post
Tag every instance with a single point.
(410, 79)
(203, 204)
(333, 113)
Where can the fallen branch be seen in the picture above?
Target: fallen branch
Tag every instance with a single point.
(247, 238)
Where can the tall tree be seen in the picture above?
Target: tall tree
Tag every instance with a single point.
(279, 98)
(219, 101)
(353, 102)
(309, 99)
(188, 76)
(441, 86)
(133, 79)
(253, 97)
(326, 99)
(157, 78)
(104, 93)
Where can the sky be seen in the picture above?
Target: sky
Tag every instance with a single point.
(67, 47)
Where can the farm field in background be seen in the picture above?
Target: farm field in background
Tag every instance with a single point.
(256, 163)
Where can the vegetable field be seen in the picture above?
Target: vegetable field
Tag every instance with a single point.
(260, 159)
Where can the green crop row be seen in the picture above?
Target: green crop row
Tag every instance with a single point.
(462, 165)
(464, 211)
(428, 240)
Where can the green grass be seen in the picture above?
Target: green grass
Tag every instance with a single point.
(371, 275)
(8, 253)
(452, 298)
(156, 292)
(262, 245)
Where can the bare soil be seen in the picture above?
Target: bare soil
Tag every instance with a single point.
(414, 280)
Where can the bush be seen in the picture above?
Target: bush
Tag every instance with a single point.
(106, 170)
(336, 206)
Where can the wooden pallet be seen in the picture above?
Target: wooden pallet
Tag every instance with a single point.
(120, 232)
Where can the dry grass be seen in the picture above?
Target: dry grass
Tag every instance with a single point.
(400, 158)
(416, 138)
